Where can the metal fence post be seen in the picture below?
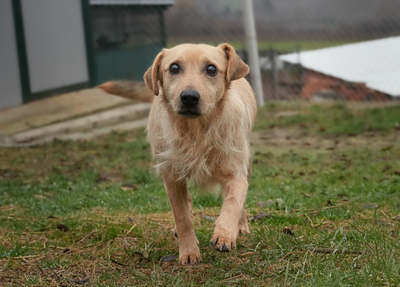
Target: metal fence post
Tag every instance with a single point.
(252, 50)
(274, 75)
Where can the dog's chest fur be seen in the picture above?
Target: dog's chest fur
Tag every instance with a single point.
(205, 149)
(197, 152)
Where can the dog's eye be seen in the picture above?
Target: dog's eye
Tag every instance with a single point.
(211, 70)
(174, 69)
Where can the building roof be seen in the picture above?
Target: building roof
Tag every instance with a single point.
(375, 63)
(132, 2)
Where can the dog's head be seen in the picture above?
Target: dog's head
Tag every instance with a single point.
(193, 78)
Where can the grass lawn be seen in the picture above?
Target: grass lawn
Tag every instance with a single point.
(327, 179)
(282, 46)
(292, 46)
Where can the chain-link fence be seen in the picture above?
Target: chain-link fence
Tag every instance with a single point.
(128, 34)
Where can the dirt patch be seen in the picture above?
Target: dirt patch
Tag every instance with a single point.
(279, 140)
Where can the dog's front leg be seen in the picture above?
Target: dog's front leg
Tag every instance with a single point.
(179, 197)
(227, 226)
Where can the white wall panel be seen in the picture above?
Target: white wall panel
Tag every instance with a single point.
(10, 87)
(55, 43)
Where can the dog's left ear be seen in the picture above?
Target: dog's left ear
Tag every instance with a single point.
(236, 68)
(152, 75)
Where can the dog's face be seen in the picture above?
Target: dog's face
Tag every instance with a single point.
(193, 78)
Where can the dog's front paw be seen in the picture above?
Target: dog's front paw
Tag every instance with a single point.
(244, 228)
(190, 257)
(223, 240)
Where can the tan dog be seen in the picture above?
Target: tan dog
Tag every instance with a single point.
(198, 129)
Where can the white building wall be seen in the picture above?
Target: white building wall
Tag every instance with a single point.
(55, 43)
(10, 87)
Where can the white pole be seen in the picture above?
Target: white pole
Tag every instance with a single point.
(252, 50)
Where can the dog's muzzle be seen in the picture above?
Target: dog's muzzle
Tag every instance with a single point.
(189, 100)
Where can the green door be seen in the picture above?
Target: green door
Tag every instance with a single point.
(126, 40)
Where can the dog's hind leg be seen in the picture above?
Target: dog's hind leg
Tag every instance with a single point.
(178, 195)
(227, 225)
(243, 224)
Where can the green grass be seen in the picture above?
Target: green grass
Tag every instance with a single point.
(115, 208)
(292, 46)
(282, 46)
(337, 119)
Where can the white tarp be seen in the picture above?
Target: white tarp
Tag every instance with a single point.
(375, 63)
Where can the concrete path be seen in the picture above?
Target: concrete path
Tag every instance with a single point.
(80, 114)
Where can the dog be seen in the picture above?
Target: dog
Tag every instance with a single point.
(202, 112)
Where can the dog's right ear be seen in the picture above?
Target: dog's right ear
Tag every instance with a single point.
(152, 75)
(236, 68)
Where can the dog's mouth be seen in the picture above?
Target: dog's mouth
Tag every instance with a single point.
(189, 113)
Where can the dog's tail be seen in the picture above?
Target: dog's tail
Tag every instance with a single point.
(132, 90)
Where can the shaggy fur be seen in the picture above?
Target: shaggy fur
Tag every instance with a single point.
(211, 148)
(201, 149)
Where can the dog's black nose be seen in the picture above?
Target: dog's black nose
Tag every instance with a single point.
(190, 98)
